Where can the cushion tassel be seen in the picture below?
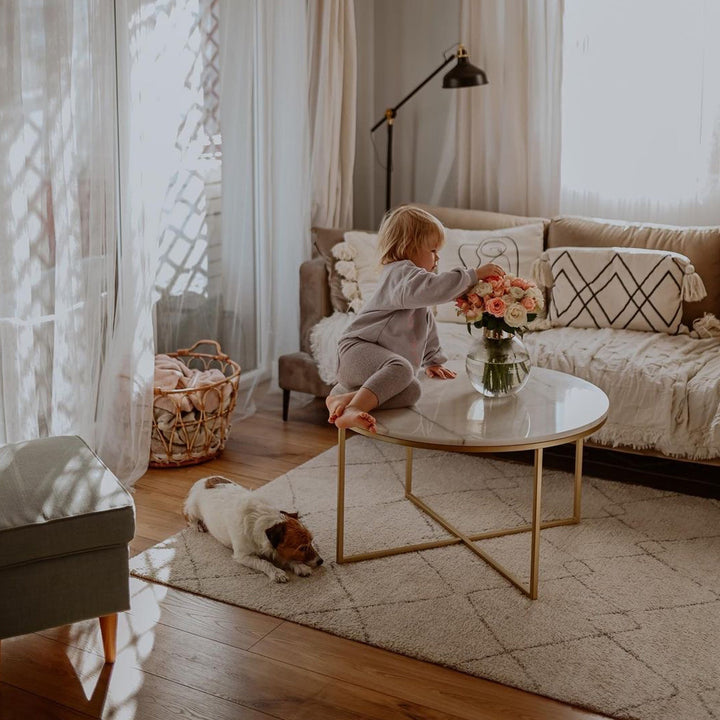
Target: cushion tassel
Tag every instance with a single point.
(541, 272)
(692, 285)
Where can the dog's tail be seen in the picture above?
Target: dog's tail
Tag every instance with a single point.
(216, 480)
(190, 509)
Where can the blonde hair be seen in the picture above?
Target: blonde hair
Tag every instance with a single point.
(405, 230)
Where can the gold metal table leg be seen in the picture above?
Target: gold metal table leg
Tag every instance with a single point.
(536, 518)
(458, 536)
(340, 496)
(408, 471)
(577, 499)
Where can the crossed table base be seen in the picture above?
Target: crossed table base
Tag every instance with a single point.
(460, 536)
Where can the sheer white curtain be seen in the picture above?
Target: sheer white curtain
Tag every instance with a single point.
(266, 173)
(332, 48)
(63, 309)
(173, 116)
(641, 110)
(508, 132)
(150, 97)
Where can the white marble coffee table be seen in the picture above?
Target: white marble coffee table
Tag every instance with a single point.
(552, 409)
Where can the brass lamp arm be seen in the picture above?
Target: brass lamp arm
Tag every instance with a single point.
(391, 112)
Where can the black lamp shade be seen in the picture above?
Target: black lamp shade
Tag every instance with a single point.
(464, 74)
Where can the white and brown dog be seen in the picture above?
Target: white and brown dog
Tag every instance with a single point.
(256, 532)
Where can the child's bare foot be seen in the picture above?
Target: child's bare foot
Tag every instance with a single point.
(354, 417)
(336, 404)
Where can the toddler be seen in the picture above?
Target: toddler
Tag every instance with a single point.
(394, 335)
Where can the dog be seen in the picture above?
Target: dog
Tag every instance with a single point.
(258, 534)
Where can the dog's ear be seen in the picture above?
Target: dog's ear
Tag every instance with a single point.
(290, 514)
(275, 534)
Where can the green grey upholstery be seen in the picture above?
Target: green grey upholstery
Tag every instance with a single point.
(65, 523)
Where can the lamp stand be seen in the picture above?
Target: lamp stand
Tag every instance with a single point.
(389, 119)
(462, 75)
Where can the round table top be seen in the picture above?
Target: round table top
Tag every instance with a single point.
(553, 408)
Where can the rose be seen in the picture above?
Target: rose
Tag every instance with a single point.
(483, 288)
(529, 303)
(495, 306)
(536, 295)
(520, 283)
(498, 286)
(517, 292)
(515, 315)
(475, 299)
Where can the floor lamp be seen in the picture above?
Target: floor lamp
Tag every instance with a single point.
(462, 75)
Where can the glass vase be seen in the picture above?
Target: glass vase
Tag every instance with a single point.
(498, 363)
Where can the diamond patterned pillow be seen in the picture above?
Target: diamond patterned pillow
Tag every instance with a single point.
(622, 288)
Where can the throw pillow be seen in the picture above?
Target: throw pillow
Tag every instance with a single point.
(514, 249)
(324, 239)
(621, 288)
(358, 264)
(700, 244)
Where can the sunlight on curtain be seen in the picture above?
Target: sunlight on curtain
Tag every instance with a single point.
(641, 110)
(266, 176)
(180, 67)
(57, 216)
(173, 73)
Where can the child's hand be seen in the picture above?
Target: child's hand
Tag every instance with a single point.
(490, 269)
(439, 371)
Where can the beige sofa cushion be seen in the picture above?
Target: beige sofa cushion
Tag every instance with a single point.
(479, 219)
(700, 244)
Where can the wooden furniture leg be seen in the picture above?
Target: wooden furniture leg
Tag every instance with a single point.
(108, 628)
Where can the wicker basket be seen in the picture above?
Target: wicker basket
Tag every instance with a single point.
(191, 425)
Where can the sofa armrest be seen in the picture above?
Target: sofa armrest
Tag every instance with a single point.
(314, 298)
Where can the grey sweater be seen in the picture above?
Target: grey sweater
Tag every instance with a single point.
(397, 315)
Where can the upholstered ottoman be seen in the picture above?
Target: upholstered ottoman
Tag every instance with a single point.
(65, 524)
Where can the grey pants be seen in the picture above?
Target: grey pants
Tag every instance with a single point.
(385, 373)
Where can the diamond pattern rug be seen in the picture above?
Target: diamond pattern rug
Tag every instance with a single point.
(628, 619)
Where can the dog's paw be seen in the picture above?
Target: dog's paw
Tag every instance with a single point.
(279, 576)
(302, 570)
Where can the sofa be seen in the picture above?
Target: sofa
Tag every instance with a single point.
(664, 386)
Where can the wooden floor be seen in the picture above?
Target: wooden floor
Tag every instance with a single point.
(183, 656)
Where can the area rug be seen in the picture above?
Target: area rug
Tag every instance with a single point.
(628, 617)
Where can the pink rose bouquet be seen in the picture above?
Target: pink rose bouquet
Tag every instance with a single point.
(501, 303)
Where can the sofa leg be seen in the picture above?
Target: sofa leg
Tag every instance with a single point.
(108, 628)
(286, 404)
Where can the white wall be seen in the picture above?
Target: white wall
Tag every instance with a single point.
(400, 42)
